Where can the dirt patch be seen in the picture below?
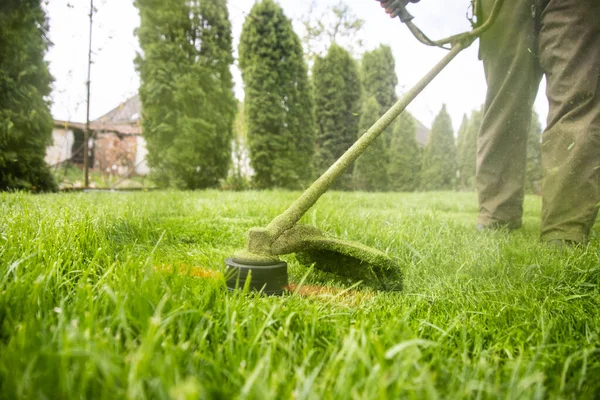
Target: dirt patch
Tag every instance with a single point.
(339, 296)
(185, 269)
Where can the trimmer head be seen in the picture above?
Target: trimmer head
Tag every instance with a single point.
(350, 260)
(270, 277)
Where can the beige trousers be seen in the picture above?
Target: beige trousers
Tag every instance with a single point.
(561, 40)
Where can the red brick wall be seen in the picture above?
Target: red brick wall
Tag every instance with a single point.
(114, 155)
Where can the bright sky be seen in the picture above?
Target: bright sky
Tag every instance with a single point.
(461, 86)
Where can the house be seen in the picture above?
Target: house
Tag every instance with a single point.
(422, 134)
(117, 146)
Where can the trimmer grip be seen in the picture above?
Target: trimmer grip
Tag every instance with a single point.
(404, 15)
(397, 8)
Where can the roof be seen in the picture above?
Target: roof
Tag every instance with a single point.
(422, 133)
(121, 129)
(123, 119)
(128, 112)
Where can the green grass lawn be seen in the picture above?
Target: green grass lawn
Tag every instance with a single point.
(99, 299)
(69, 176)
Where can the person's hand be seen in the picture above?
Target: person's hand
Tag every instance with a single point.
(393, 7)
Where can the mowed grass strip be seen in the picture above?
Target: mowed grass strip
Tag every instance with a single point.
(102, 296)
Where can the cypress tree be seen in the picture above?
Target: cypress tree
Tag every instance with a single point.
(237, 179)
(462, 130)
(379, 77)
(439, 157)
(404, 155)
(467, 151)
(460, 144)
(533, 180)
(278, 101)
(25, 119)
(379, 83)
(337, 100)
(186, 90)
(370, 169)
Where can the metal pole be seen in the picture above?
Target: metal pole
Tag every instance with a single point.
(310, 196)
(86, 136)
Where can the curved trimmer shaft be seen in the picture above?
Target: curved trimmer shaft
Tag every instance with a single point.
(261, 239)
(293, 214)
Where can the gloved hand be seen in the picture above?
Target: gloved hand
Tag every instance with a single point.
(394, 8)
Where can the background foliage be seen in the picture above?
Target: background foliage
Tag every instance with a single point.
(186, 90)
(534, 175)
(370, 169)
(25, 85)
(337, 87)
(467, 151)
(404, 166)
(278, 99)
(439, 156)
(378, 70)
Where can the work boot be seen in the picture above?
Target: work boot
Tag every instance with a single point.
(498, 226)
(563, 244)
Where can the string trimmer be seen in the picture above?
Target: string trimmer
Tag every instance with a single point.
(260, 260)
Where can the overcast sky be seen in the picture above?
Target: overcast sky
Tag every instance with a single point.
(114, 79)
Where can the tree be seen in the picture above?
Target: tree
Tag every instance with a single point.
(467, 151)
(278, 102)
(380, 80)
(186, 90)
(379, 85)
(533, 180)
(460, 144)
(370, 169)
(337, 25)
(379, 77)
(25, 119)
(439, 157)
(238, 174)
(404, 164)
(337, 99)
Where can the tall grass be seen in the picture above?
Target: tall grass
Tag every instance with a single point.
(98, 299)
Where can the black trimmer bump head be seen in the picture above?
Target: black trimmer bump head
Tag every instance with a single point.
(270, 278)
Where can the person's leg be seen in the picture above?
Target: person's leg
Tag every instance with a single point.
(513, 76)
(569, 44)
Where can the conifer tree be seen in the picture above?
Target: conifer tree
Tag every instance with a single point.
(238, 174)
(460, 140)
(404, 164)
(370, 169)
(439, 156)
(25, 119)
(186, 90)
(337, 99)
(278, 99)
(379, 79)
(467, 151)
(533, 180)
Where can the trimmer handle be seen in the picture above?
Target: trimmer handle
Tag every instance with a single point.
(397, 8)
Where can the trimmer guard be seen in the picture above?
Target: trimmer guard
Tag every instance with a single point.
(351, 260)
